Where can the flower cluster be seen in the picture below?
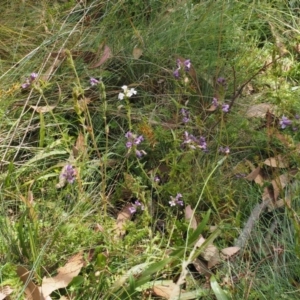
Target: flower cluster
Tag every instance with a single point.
(186, 65)
(285, 122)
(156, 179)
(94, 81)
(134, 140)
(29, 80)
(127, 93)
(68, 174)
(185, 115)
(221, 81)
(225, 150)
(215, 103)
(176, 200)
(225, 108)
(137, 204)
(193, 143)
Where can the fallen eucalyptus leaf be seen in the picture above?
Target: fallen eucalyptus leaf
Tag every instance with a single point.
(190, 217)
(65, 275)
(276, 162)
(137, 52)
(5, 291)
(31, 290)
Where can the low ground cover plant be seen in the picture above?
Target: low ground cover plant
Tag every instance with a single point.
(149, 150)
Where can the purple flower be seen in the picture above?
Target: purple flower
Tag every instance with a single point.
(138, 140)
(140, 153)
(94, 81)
(33, 76)
(156, 179)
(193, 142)
(69, 173)
(187, 65)
(225, 108)
(132, 209)
(185, 114)
(221, 81)
(28, 81)
(137, 204)
(202, 143)
(215, 102)
(176, 200)
(25, 85)
(176, 73)
(284, 122)
(128, 144)
(225, 150)
(129, 135)
(297, 117)
(134, 140)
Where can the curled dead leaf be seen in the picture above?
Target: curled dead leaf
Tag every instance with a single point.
(5, 291)
(137, 52)
(105, 56)
(190, 217)
(201, 266)
(260, 110)
(230, 251)
(123, 216)
(256, 176)
(276, 162)
(212, 108)
(65, 275)
(42, 109)
(211, 255)
(166, 289)
(80, 146)
(31, 290)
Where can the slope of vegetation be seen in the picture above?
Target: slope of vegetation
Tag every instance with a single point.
(149, 149)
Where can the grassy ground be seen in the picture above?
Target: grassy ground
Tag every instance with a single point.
(134, 193)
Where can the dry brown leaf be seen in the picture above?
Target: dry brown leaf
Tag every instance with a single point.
(213, 228)
(201, 266)
(166, 288)
(212, 108)
(228, 252)
(99, 228)
(80, 146)
(32, 291)
(260, 110)
(65, 275)
(200, 242)
(59, 57)
(137, 52)
(267, 194)
(256, 176)
(105, 56)
(189, 214)
(5, 291)
(284, 139)
(276, 162)
(123, 216)
(279, 203)
(279, 183)
(83, 103)
(42, 109)
(30, 205)
(211, 255)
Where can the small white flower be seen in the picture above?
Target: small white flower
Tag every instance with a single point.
(126, 92)
(172, 202)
